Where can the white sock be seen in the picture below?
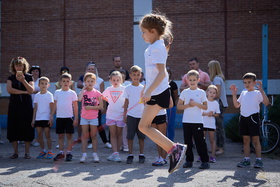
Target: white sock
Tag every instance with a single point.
(247, 158)
(84, 154)
(94, 154)
(258, 158)
(141, 154)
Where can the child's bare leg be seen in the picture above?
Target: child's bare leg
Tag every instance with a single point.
(15, 146)
(257, 144)
(113, 138)
(149, 113)
(27, 145)
(141, 146)
(93, 131)
(61, 141)
(85, 136)
(48, 137)
(130, 146)
(69, 141)
(212, 142)
(40, 137)
(246, 144)
(119, 137)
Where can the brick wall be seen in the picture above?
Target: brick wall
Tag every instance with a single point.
(91, 30)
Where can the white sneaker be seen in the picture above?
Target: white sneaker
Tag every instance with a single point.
(57, 146)
(125, 150)
(35, 143)
(89, 146)
(95, 158)
(83, 159)
(111, 157)
(108, 145)
(117, 158)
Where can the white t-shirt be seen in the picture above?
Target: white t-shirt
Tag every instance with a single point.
(193, 114)
(43, 105)
(155, 54)
(126, 83)
(210, 122)
(133, 94)
(219, 81)
(250, 102)
(98, 83)
(161, 112)
(64, 106)
(116, 100)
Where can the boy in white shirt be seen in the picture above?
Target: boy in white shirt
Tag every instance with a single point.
(249, 103)
(42, 118)
(133, 113)
(193, 100)
(65, 100)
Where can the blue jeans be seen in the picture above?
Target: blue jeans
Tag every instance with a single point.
(171, 115)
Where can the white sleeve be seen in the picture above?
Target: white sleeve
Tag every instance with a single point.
(240, 97)
(75, 97)
(260, 97)
(203, 96)
(35, 99)
(157, 56)
(182, 96)
(125, 94)
(217, 108)
(55, 95)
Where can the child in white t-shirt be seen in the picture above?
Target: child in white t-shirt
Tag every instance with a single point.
(91, 101)
(114, 95)
(65, 101)
(193, 100)
(133, 113)
(209, 122)
(42, 118)
(249, 104)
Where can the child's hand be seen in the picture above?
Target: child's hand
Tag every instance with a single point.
(88, 107)
(260, 87)
(32, 123)
(76, 122)
(124, 118)
(233, 89)
(210, 114)
(146, 97)
(51, 122)
(192, 103)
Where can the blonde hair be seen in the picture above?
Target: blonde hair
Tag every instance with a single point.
(44, 79)
(193, 73)
(89, 75)
(135, 68)
(158, 22)
(116, 73)
(19, 60)
(66, 76)
(213, 87)
(215, 69)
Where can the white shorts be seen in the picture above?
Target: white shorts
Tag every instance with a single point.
(89, 121)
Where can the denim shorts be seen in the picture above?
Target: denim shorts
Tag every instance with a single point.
(89, 121)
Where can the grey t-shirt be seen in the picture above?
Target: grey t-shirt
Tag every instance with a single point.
(219, 81)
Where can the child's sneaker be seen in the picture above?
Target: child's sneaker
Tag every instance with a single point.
(244, 163)
(108, 145)
(49, 155)
(212, 159)
(141, 159)
(199, 160)
(59, 156)
(204, 165)
(111, 157)
(188, 165)
(95, 158)
(176, 157)
(258, 164)
(42, 154)
(117, 158)
(68, 157)
(83, 158)
(129, 160)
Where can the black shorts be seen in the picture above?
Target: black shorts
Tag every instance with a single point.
(249, 126)
(162, 99)
(132, 128)
(42, 123)
(159, 119)
(208, 129)
(64, 125)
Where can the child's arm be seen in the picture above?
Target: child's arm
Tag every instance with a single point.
(75, 107)
(34, 114)
(81, 94)
(181, 106)
(54, 108)
(233, 90)
(125, 106)
(160, 76)
(202, 106)
(51, 117)
(265, 98)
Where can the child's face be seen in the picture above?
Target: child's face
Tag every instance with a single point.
(116, 81)
(211, 93)
(135, 76)
(65, 83)
(43, 85)
(90, 82)
(149, 36)
(249, 84)
(193, 81)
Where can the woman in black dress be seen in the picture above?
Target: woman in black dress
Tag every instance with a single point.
(20, 87)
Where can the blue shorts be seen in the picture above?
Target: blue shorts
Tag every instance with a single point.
(89, 121)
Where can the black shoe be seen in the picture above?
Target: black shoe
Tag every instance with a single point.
(59, 156)
(176, 157)
(188, 165)
(68, 157)
(141, 159)
(129, 160)
(204, 165)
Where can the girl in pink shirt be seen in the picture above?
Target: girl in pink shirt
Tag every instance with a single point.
(91, 102)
